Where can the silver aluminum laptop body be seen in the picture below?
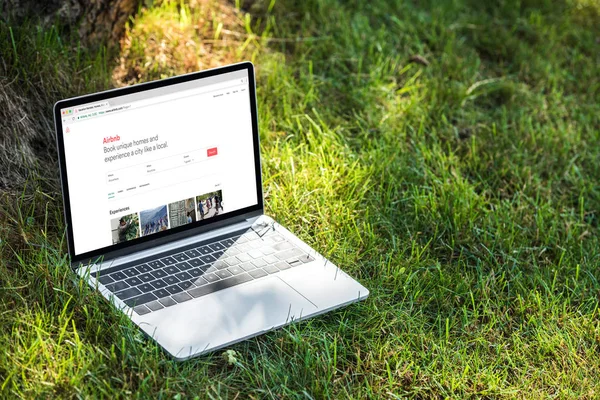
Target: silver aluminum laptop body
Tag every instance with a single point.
(211, 321)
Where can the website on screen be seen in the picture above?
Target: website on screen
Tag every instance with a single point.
(156, 160)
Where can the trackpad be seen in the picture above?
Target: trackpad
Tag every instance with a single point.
(226, 316)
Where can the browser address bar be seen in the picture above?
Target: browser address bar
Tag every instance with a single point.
(187, 93)
(231, 84)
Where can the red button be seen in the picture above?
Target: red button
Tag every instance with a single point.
(211, 152)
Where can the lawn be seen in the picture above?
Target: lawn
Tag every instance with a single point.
(445, 153)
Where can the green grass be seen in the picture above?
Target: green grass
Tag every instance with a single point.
(465, 194)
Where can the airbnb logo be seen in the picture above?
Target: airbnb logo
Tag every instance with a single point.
(111, 139)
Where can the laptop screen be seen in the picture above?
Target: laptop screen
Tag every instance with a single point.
(151, 161)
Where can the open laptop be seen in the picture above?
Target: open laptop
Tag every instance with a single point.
(164, 212)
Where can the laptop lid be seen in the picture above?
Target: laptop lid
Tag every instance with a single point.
(147, 164)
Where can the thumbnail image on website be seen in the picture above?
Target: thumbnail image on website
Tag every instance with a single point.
(125, 228)
(182, 212)
(154, 220)
(210, 204)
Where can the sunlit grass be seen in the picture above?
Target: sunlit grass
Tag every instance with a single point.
(178, 38)
(460, 186)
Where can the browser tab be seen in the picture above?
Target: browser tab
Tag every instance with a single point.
(91, 107)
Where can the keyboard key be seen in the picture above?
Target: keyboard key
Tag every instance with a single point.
(220, 265)
(136, 301)
(250, 235)
(186, 285)
(199, 281)
(255, 253)
(216, 246)
(259, 262)
(277, 238)
(156, 264)
(146, 287)
(247, 266)
(271, 269)
(127, 293)
(267, 250)
(171, 280)
(211, 269)
(208, 259)
(211, 277)
(287, 254)
(159, 273)
(154, 305)
(232, 251)
(182, 276)
(133, 281)
(256, 244)
(196, 262)
(235, 270)
(204, 250)
(244, 257)
(118, 276)
(228, 242)
(174, 289)
(283, 246)
(231, 261)
(257, 273)
(171, 270)
(223, 274)
(117, 286)
(141, 310)
(243, 248)
(183, 266)
(192, 253)
(218, 254)
(146, 277)
(167, 302)
(131, 272)
(143, 268)
(159, 283)
(271, 259)
(168, 260)
(181, 297)
(161, 293)
(220, 285)
(105, 280)
(196, 272)
(294, 262)
(181, 257)
(282, 265)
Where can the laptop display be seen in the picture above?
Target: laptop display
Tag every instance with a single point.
(160, 159)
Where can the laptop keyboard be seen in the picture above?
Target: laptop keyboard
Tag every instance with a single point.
(174, 278)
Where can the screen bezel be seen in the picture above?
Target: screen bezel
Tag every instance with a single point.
(187, 230)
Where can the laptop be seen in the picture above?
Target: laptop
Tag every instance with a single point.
(164, 213)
